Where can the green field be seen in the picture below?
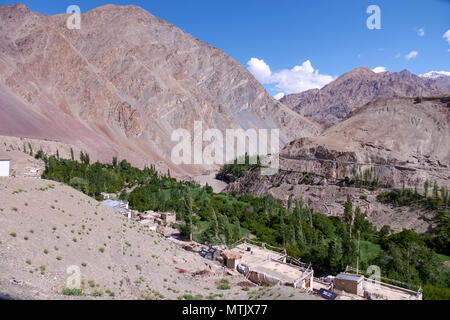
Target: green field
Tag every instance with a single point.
(369, 250)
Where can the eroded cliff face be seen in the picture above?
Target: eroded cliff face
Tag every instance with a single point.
(405, 139)
(354, 89)
(400, 141)
(122, 83)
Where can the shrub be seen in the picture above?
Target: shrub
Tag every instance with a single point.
(431, 292)
(224, 284)
(72, 292)
(97, 293)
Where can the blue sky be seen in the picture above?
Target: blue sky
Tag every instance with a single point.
(331, 35)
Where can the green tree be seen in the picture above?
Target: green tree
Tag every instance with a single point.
(40, 155)
(237, 224)
(348, 211)
(335, 256)
(214, 224)
(425, 188)
(188, 216)
(435, 190)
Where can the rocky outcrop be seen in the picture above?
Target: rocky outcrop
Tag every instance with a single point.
(396, 141)
(405, 139)
(327, 197)
(122, 83)
(338, 99)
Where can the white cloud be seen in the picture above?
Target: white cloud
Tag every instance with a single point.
(446, 36)
(295, 80)
(421, 32)
(379, 69)
(278, 96)
(411, 55)
(260, 70)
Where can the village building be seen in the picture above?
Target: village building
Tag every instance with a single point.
(349, 283)
(266, 267)
(231, 258)
(348, 286)
(169, 217)
(120, 207)
(5, 164)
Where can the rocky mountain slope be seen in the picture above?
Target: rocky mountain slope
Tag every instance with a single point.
(441, 77)
(354, 89)
(402, 140)
(122, 83)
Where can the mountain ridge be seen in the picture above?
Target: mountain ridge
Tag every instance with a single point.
(130, 79)
(353, 89)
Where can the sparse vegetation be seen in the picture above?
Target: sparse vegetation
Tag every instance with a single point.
(328, 243)
(224, 285)
(72, 292)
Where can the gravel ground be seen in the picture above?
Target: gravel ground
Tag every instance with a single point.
(46, 227)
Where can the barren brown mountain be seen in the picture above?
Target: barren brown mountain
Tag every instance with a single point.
(121, 84)
(354, 89)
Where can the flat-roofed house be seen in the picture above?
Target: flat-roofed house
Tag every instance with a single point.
(231, 258)
(5, 164)
(266, 267)
(349, 283)
(357, 287)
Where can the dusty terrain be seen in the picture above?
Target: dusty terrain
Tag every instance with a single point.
(46, 227)
(210, 179)
(123, 83)
(354, 89)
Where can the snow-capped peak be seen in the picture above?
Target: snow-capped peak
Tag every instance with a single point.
(435, 74)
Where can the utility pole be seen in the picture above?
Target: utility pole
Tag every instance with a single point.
(357, 257)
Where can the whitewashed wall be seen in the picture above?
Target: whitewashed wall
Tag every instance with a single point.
(4, 168)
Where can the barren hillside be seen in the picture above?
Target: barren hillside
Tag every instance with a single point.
(46, 227)
(122, 83)
(354, 89)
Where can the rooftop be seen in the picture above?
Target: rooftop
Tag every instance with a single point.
(232, 254)
(350, 277)
(270, 262)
